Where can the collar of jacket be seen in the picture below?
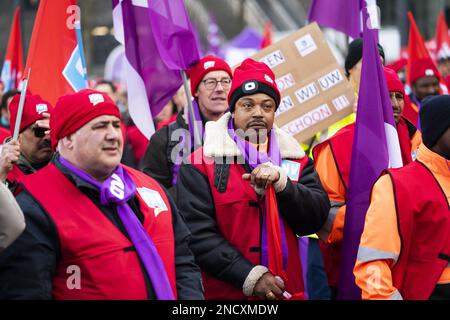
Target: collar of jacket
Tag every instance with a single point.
(219, 144)
(25, 165)
(182, 122)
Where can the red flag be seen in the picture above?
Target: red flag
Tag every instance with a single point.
(416, 46)
(397, 65)
(267, 35)
(418, 53)
(55, 58)
(442, 38)
(13, 66)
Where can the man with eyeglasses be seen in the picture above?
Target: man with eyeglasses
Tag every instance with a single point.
(32, 150)
(210, 83)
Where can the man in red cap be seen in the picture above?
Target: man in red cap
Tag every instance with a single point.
(424, 78)
(210, 83)
(96, 229)
(332, 161)
(32, 151)
(224, 190)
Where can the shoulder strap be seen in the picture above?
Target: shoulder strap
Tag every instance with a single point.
(221, 174)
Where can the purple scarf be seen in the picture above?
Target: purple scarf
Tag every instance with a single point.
(254, 158)
(118, 189)
(186, 149)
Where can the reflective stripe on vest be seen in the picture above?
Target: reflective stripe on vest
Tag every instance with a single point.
(325, 231)
(368, 254)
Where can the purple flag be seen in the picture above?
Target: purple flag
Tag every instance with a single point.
(151, 84)
(244, 45)
(375, 148)
(248, 38)
(341, 15)
(197, 39)
(214, 37)
(173, 34)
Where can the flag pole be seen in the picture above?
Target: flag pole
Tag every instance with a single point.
(81, 49)
(21, 103)
(197, 138)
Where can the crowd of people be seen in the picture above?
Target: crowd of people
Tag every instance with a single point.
(90, 209)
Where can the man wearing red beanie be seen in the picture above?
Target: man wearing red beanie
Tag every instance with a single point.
(210, 83)
(424, 78)
(32, 151)
(224, 191)
(332, 161)
(96, 229)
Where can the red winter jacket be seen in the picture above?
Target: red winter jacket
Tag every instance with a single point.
(224, 212)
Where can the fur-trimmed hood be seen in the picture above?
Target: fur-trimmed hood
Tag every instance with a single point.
(219, 144)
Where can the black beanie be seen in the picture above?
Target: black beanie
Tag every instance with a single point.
(355, 51)
(434, 118)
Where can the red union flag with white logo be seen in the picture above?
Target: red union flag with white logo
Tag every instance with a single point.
(442, 38)
(13, 66)
(56, 55)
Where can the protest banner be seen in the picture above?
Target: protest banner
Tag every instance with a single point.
(315, 92)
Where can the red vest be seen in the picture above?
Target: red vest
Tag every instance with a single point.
(409, 111)
(239, 220)
(14, 174)
(423, 216)
(405, 141)
(109, 268)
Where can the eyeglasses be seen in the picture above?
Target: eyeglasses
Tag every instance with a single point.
(39, 132)
(211, 84)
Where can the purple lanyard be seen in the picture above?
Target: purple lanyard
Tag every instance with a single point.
(118, 189)
(254, 158)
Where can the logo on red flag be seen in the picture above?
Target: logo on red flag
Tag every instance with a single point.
(442, 39)
(56, 38)
(13, 66)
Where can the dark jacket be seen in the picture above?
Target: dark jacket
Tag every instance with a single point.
(28, 265)
(157, 161)
(303, 205)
